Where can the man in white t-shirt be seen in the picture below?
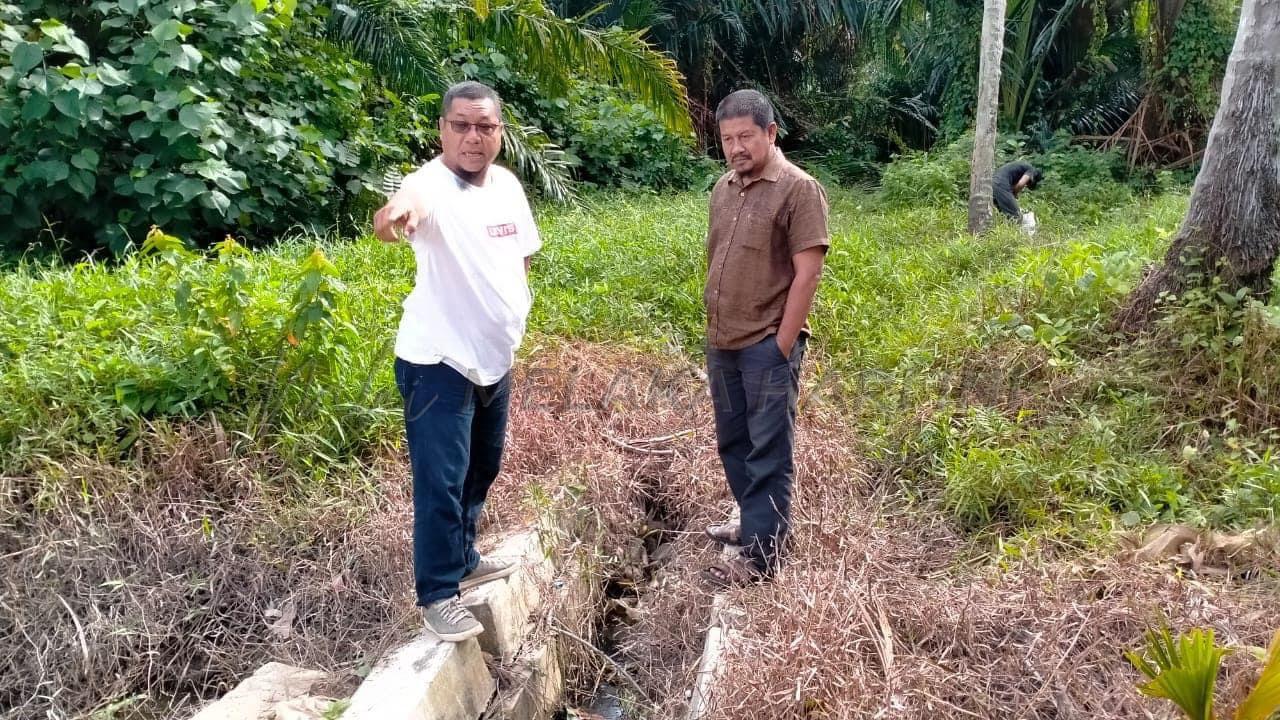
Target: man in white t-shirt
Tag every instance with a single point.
(472, 233)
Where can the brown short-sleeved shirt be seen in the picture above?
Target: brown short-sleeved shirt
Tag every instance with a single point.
(755, 229)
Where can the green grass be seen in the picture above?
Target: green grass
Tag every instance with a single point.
(979, 369)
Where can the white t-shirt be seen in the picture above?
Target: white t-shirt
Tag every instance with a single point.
(470, 298)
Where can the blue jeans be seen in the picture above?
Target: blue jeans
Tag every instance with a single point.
(754, 392)
(455, 431)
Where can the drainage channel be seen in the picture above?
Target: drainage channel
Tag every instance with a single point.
(528, 674)
(616, 690)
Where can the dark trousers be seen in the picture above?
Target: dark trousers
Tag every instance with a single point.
(754, 392)
(455, 431)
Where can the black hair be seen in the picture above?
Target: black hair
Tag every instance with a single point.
(1036, 176)
(469, 90)
(746, 103)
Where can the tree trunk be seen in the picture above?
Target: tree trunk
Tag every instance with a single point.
(984, 140)
(1232, 228)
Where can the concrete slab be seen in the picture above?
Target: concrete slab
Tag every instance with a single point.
(256, 697)
(538, 688)
(425, 680)
(504, 606)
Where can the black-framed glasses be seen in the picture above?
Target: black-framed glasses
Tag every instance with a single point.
(462, 127)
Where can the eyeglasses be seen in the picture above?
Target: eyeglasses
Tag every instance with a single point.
(462, 127)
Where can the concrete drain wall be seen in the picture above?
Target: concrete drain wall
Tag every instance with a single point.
(427, 679)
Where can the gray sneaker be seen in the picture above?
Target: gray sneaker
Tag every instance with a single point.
(487, 569)
(449, 621)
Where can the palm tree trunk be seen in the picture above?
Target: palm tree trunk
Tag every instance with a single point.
(1232, 228)
(984, 141)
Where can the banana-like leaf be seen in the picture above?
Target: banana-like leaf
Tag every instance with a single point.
(536, 158)
(1184, 671)
(1264, 700)
(406, 41)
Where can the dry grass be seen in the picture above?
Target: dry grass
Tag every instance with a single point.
(883, 611)
(876, 618)
(163, 581)
(166, 584)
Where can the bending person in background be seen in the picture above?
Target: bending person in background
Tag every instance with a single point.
(1010, 180)
(471, 230)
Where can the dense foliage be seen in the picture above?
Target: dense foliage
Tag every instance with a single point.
(980, 369)
(859, 81)
(200, 116)
(250, 117)
(610, 138)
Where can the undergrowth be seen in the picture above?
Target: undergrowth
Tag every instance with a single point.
(243, 400)
(980, 370)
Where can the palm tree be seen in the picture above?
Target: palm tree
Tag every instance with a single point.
(407, 43)
(1232, 228)
(984, 141)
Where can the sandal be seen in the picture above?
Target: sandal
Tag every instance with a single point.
(736, 571)
(729, 533)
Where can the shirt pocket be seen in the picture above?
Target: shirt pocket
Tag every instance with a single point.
(756, 232)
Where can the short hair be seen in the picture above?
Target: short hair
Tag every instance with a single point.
(1036, 176)
(746, 103)
(469, 90)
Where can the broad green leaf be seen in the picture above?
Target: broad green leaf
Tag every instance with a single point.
(72, 70)
(190, 189)
(86, 159)
(216, 201)
(230, 64)
(193, 118)
(128, 105)
(146, 185)
(1264, 700)
(26, 55)
(64, 39)
(110, 76)
(167, 30)
(188, 58)
(50, 171)
(36, 106)
(140, 129)
(66, 126)
(242, 13)
(87, 87)
(82, 182)
(68, 103)
(167, 99)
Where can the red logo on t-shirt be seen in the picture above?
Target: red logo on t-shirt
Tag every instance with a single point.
(497, 231)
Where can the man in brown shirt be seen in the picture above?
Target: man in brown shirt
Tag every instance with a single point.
(765, 246)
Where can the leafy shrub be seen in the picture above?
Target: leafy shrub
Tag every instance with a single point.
(91, 353)
(1078, 181)
(1081, 181)
(611, 140)
(201, 116)
(856, 133)
(922, 178)
(1193, 66)
(618, 142)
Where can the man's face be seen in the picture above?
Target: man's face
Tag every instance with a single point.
(470, 134)
(747, 145)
